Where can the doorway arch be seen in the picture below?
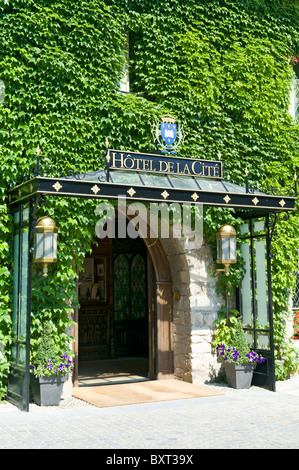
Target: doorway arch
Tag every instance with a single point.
(160, 316)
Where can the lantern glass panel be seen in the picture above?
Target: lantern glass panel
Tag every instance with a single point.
(218, 248)
(233, 249)
(54, 245)
(48, 245)
(39, 245)
(225, 248)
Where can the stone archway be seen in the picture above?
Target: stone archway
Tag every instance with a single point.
(182, 324)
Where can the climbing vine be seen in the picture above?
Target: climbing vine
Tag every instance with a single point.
(221, 66)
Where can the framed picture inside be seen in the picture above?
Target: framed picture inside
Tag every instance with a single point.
(101, 269)
(87, 273)
(93, 281)
(100, 279)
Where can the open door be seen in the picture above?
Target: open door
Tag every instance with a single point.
(256, 298)
(19, 378)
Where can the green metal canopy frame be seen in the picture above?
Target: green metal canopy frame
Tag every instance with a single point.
(153, 188)
(108, 184)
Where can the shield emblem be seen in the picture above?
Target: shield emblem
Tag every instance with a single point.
(168, 132)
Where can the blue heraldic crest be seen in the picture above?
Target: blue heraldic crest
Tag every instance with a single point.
(168, 134)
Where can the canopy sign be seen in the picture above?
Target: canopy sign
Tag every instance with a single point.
(154, 163)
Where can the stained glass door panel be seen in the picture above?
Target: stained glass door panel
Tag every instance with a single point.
(121, 288)
(130, 305)
(138, 288)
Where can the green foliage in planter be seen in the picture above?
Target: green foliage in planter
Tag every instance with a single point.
(221, 66)
(225, 328)
(240, 343)
(230, 343)
(45, 350)
(46, 361)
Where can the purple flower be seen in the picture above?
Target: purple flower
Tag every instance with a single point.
(232, 355)
(56, 367)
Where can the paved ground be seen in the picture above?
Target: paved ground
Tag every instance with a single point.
(247, 419)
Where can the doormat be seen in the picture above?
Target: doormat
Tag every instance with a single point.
(142, 392)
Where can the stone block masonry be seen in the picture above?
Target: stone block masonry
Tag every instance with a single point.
(194, 313)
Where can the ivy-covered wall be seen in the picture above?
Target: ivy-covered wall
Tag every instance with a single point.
(223, 67)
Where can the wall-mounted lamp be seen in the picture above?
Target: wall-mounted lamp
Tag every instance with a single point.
(226, 247)
(45, 243)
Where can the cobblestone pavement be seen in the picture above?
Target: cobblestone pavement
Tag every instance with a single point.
(239, 419)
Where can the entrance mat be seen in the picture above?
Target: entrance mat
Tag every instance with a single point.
(142, 392)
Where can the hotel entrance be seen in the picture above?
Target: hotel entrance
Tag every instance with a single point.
(113, 319)
(114, 293)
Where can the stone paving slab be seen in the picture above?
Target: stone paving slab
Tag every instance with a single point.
(248, 419)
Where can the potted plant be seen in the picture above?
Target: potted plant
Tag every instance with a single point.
(239, 362)
(49, 371)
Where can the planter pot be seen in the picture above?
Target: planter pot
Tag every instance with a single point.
(239, 375)
(47, 391)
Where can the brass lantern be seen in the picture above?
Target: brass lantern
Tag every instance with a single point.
(45, 243)
(226, 247)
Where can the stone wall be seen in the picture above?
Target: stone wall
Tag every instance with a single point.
(181, 308)
(195, 311)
